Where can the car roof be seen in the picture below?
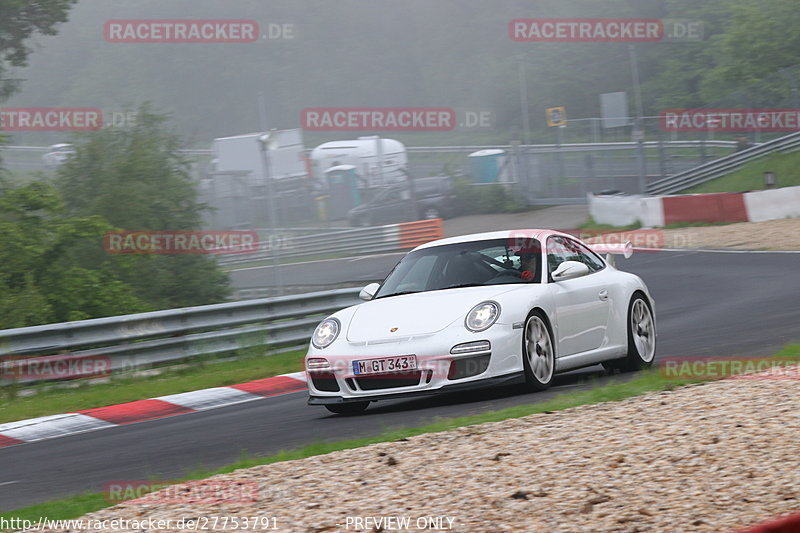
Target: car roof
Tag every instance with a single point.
(539, 234)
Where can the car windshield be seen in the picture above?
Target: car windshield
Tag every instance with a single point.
(468, 264)
(388, 193)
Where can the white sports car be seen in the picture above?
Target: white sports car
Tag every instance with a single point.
(481, 310)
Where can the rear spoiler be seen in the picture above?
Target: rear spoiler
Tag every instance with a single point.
(610, 250)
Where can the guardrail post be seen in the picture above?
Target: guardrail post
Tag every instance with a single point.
(662, 170)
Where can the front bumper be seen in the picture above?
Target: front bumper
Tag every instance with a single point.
(436, 371)
(516, 378)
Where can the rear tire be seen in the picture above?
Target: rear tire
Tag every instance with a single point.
(350, 408)
(641, 338)
(538, 355)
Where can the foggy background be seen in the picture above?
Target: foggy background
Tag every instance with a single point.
(440, 53)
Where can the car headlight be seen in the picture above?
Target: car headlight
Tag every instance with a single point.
(482, 316)
(326, 333)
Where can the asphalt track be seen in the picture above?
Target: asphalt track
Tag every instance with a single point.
(708, 304)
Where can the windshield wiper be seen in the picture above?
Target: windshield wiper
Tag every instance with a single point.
(460, 285)
(395, 294)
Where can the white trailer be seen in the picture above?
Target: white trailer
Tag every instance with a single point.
(377, 161)
(242, 153)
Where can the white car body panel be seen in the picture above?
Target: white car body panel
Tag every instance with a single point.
(409, 313)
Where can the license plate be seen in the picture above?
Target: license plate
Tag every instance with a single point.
(385, 365)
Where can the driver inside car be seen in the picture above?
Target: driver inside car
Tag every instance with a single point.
(529, 266)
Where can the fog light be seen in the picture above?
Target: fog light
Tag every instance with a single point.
(471, 347)
(317, 363)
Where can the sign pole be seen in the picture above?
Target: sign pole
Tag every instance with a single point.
(523, 96)
(638, 130)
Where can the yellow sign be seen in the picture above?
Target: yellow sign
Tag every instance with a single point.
(556, 116)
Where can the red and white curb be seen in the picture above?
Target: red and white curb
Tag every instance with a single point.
(658, 211)
(52, 426)
(786, 524)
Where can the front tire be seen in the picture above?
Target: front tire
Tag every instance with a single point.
(538, 355)
(641, 338)
(350, 408)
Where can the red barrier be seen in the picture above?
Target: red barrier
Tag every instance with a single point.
(412, 234)
(789, 524)
(714, 207)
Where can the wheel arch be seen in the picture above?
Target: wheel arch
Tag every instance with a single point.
(645, 294)
(553, 337)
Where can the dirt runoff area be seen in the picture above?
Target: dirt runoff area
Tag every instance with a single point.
(715, 457)
(771, 235)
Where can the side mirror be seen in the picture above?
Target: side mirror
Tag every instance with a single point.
(569, 270)
(368, 292)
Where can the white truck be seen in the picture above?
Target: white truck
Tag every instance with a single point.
(236, 184)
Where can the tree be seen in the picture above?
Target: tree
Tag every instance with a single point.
(758, 47)
(19, 19)
(50, 269)
(743, 61)
(134, 178)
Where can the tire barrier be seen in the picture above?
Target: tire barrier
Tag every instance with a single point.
(344, 242)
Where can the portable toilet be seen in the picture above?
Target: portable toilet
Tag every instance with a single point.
(344, 193)
(486, 165)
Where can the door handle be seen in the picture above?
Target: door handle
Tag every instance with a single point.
(603, 295)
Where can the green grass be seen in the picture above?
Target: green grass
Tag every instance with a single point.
(649, 381)
(751, 176)
(676, 225)
(591, 225)
(197, 376)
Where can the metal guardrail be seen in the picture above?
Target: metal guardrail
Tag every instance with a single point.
(530, 148)
(358, 241)
(722, 166)
(46, 149)
(145, 339)
(574, 147)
